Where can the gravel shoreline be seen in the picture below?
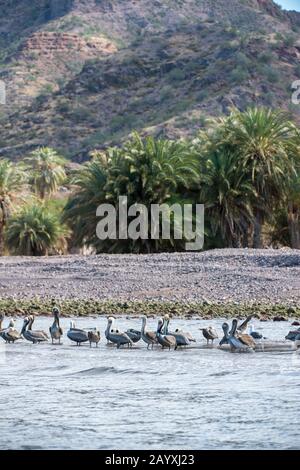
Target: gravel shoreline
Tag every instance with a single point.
(241, 276)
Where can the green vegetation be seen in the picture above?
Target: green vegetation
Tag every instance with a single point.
(147, 171)
(11, 182)
(81, 308)
(244, 168)
(252, 160)
(35, 231)
(46, 170)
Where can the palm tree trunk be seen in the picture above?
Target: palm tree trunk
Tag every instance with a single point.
(257, 235)
(245, 235)
(294, 226)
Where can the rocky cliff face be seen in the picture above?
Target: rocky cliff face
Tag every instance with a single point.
(82, 74)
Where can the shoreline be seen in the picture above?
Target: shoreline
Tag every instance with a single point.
(201, 311)
(211, 284)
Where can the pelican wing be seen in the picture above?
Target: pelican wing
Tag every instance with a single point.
(13, 335)
(170, 340)
(120, 337)
(37, 335)
(151, 335)
(77, 335)
(247, 340)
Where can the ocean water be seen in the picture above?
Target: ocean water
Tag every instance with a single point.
(69, 397)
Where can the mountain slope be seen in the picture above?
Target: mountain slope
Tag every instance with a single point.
(87, 72)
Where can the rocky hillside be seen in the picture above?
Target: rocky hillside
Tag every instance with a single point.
(83, 74)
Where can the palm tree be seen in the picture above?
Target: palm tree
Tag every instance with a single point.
(267, 143)
(147, 171)
(151, 171)
(11, 182)
(34, 231)
(227, 193)
(47, 171)
(80, 210)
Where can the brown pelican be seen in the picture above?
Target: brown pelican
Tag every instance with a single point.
(55, 330)
(94, 337)
(117, 337)
(209, 334)
(31, 322)
(242, 328)
(182, 339)
(230, 338)
(33, 336)
(149, 337)
(242, 338)
(76, 335)
(166, 341)
(10, 334)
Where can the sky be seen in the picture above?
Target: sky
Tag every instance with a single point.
(289, 4)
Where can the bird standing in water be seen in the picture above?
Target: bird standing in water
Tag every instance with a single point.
(210, 334)
(166, 341)
(33, 336)
(9, 334)
(94, 337)
(56, 331)
(117, 337)
(149, 337)
(77, 335)
(182, 338)
(240, 341)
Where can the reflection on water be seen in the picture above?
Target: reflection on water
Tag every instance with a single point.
(69, 397)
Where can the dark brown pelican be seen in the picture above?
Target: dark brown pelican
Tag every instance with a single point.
(117, 337)
(166, 341)
(76, 335)
(55, 330)
(149, 337)
(33, 336)
(94, 337)
(209, 334)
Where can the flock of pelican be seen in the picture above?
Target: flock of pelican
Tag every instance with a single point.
(238, 338)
